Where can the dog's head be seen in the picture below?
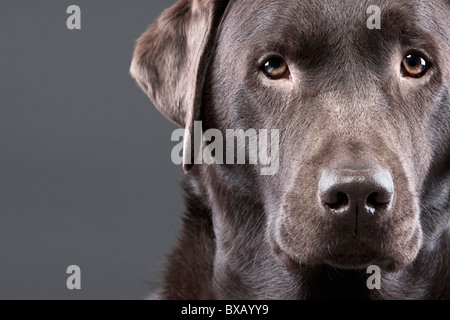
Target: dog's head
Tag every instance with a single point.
(363, 114)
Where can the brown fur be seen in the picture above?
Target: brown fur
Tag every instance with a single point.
(248, 236)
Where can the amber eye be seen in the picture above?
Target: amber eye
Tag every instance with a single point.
(276, 68)
(414, 66)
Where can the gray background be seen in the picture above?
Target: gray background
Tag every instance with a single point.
(85, 170)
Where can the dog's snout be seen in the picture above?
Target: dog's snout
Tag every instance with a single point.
(349, 191)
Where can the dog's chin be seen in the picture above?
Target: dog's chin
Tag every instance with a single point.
(356, 255)
(361, 261)
(353, 255)
(350, 262)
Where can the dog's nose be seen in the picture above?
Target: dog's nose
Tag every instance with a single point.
(349, 191)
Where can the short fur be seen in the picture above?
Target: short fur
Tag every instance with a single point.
(247, 236)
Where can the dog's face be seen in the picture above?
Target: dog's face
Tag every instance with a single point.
(363, 115)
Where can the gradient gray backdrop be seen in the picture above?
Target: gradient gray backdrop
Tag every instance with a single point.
(85, 170)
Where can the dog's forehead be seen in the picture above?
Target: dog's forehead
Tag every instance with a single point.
(329, 40)
(319, 19)
(320, 32)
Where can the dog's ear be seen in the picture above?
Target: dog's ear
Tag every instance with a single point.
(171, 60)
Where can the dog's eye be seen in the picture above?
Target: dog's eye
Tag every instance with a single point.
(276, 68)
(414, 66)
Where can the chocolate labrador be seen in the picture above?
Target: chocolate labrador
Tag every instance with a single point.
(363, 116)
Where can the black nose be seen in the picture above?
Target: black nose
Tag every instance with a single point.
(349, 191)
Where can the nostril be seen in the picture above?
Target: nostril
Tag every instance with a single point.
(378, 201)
(339, 201)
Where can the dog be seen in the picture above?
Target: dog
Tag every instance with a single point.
(363, 116)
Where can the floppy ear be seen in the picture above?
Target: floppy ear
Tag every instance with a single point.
(171, 60)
